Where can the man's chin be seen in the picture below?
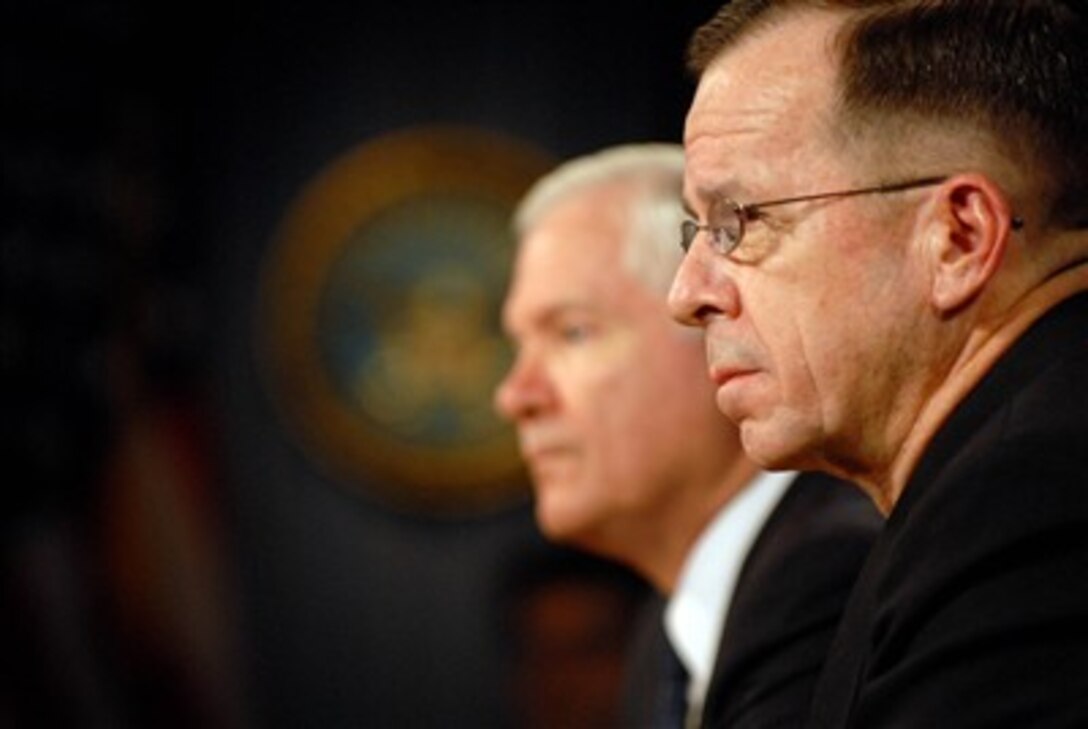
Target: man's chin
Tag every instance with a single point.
(775, 446)
(561, 524)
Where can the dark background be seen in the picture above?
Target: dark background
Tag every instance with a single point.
(169, 557)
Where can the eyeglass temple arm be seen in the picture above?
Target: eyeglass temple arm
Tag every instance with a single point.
(890, 187)
(753, 209)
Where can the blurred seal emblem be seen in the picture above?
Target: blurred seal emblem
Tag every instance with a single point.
(378, 331)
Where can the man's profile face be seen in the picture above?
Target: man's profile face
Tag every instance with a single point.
(609, 395)
(802, 342)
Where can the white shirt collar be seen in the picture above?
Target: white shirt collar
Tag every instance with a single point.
(696, 611)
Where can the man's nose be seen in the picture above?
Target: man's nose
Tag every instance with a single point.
(525, 390)
(703, 288)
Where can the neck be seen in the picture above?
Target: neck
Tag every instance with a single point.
(984, 346)
(661, 556)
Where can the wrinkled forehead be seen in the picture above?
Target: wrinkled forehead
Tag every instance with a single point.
(769, 97)
(794, 60)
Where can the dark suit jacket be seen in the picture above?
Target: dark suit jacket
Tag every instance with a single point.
(787, 602)
(972, 610)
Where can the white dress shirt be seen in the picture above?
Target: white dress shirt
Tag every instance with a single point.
(696, 611)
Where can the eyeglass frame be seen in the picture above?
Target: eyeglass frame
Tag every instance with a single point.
(751, 212)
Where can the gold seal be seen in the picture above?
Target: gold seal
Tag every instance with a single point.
(378, 331)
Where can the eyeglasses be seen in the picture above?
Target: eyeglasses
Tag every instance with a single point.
(726, 219)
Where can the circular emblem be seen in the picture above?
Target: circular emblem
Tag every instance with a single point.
(379, 332)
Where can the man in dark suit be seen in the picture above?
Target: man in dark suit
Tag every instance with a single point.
(776, 632)
(889, 258)
(631, 460)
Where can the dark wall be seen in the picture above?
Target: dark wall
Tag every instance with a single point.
(149, 156)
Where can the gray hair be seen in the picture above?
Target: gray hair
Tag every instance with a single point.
(654, 173)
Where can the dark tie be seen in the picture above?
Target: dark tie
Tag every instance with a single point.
(672, 694)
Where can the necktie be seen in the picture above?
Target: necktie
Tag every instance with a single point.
(672, 699)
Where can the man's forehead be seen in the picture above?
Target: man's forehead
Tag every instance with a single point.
(553, 275)
(792, 58)
(546, 289)
(759, 104)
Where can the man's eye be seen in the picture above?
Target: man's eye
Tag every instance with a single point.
(575, 333)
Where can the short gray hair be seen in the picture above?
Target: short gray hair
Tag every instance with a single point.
(654, 172)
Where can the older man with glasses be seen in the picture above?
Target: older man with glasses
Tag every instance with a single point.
(911, 313)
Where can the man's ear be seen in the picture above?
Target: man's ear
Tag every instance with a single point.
(974, 222)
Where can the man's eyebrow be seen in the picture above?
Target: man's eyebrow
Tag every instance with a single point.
(700, 194)
(688, 209)
(550, 315)
(706, 195)
(561, 309)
